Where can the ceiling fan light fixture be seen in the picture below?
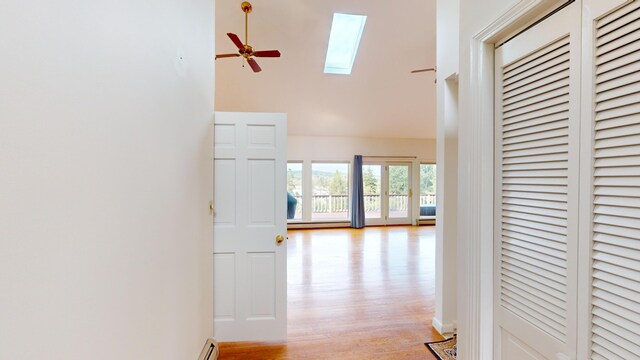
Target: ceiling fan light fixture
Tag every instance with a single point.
(244, 49)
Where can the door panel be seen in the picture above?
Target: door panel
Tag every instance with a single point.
(250, 211)
(372, 178)
(537, 129)
(398, 192)
(612, 196)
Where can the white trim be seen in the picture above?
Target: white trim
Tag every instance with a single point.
(475, 225)
(443, 328)
(583, 340)
(319, 225)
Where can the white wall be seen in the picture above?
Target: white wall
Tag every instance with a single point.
(344, 148)
(448, 14)
(105, 178)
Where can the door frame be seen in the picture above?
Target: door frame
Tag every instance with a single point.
(384, 218)
(476, 177)
(405, 220)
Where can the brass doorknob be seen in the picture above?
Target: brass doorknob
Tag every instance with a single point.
(279, 239)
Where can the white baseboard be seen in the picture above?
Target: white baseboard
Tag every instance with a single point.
(443, 328)
(318, 225)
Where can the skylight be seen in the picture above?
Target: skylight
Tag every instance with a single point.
(346, 31)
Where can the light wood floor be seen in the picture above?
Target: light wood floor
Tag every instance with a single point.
(355, 294)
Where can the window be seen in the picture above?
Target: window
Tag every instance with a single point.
(427, 189)
(346, 31)
(330, 191)
(294, 188)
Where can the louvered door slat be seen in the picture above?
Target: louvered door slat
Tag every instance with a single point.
(602, 353)
(618, 52)
(537, 240)
(533, 269)
(618, 40)
(618, 28)
(533, 93)
(534, 87)
(551, 220)
(618, 78)
(616, 209)
(615, 240)
(613, 269)
(621, 101)
(549, 312)
(618, 310)
(547, 66)
(550, 51)
(547, 251)
(534, 132)
(559, 270)
(620, 131)
(619, 63)
(536, 121)
(556, 142)
(615, 19)
(613, 113)
(617, 72)
(622, 322)
(622, 346)
(625, 336)
(552, 189)
(618, 161)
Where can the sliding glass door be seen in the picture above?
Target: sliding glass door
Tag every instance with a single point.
(399, 193)
(387, 193)
(372, 181)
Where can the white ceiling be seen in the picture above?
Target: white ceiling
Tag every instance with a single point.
(379, 99)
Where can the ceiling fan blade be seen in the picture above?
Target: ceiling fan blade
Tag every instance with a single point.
(266, 53)
(254, 65)
(236, 40)
(221, 56)
(423, 70)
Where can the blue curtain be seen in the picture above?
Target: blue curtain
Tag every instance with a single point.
(357, 195)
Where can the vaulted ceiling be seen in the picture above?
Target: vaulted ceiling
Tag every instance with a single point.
(381, 98)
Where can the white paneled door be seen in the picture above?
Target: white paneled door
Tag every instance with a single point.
(537, 184)
(250, 270)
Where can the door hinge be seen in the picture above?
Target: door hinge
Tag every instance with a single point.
(212, 208)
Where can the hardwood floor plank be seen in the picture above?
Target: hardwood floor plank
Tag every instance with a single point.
(355, 294)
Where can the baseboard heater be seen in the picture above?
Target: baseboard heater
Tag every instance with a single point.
(210, 350)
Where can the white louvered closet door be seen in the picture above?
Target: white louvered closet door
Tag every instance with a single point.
(615, 160)
(537, 148)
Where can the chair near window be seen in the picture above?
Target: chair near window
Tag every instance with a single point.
(292, 202)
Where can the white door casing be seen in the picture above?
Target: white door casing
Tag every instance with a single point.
(250, 273)
(536, 192)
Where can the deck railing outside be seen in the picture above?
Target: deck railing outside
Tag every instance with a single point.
(340, 203)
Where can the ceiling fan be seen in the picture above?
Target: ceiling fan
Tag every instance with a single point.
(434, 69)
(424, 70)
(245, 50)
